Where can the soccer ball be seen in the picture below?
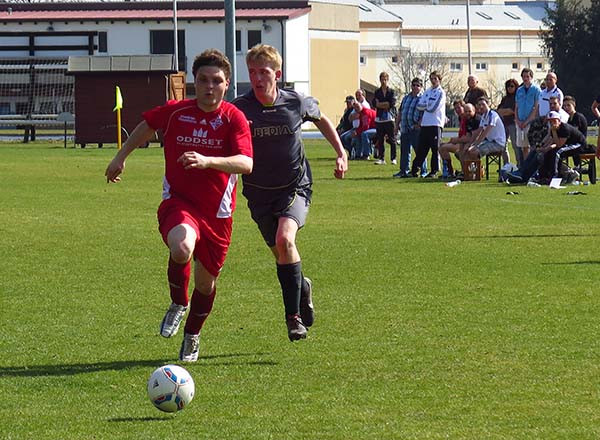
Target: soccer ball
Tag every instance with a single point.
(170, 388)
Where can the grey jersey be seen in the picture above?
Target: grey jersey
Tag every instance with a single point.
(279, 160)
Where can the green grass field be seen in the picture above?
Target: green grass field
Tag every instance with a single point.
(459, 313)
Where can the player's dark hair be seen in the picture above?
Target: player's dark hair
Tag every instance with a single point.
(458, 102)
(437, 74)
(212, 57)
(484, 99)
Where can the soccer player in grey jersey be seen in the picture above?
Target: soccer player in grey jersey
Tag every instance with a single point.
(279, 188)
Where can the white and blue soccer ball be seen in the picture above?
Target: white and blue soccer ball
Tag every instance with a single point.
(171, 388)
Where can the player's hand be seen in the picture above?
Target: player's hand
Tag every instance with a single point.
(113, 170)
(341, 166)
(191, 159)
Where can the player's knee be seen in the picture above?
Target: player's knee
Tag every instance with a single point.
(284, 244)
(181, 252)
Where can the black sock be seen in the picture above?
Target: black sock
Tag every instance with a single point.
(290, 279)
(304, 287)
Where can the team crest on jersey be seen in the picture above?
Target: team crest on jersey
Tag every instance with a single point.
(200, 133)
(216, 123)
(186, 118)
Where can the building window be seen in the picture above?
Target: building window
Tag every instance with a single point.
(362, 60)
(481, 67)
(455, 67)
(162, 42)
(394, 59)
(539, 66)
(254, 38)
(102, 42)
(515, 67)
(238, 41)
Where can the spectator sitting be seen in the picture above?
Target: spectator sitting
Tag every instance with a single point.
(492, 136)
(360, 97)
(468, 124)
(506, 110)
(345, 123)
(567, 140)
(539, 137)
(474, 92)
(575, 118)
(346, 135)
(365, 132)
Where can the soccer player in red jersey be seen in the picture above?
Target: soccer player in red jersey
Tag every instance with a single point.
(207, 142)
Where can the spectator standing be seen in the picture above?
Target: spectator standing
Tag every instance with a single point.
(526, 108)
(506, 110)
(474, 92)
(433, 104)
(408, 123)
(385, 104)
(550, 90)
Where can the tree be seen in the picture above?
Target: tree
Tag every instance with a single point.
(573, 47)
(419, 65)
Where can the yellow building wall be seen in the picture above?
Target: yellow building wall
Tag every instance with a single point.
(334, 74)
(335, 17)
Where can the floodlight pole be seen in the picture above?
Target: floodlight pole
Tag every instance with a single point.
(230, 47)
(175, 39)
(470, 61)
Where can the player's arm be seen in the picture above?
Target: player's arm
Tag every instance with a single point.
(595, 109)
(326, 127)
(236, 164)
(140, 135)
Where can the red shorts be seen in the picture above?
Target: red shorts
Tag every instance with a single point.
(211, 247)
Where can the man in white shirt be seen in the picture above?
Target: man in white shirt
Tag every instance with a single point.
(550, 91)
(491, 137)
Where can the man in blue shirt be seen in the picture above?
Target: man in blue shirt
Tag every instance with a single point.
(526, 108)
(408, 119)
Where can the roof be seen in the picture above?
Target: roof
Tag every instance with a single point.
(371, 13)
(451, 17)
(148, 14)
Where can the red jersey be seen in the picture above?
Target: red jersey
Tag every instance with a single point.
(223, 132)
(367, 120)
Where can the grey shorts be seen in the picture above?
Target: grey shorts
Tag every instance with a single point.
(269, 206)
(486, 147)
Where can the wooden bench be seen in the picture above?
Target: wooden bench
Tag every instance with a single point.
(490, 159)
(588, 165)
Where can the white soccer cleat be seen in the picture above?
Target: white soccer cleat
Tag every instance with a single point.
(170, 323)
(189, 348)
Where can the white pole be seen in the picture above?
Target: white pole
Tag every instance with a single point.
(175, 45)
(470, 61)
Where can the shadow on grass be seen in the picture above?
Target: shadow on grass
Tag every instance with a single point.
(73, 369)
(140, 419)
(569, 263)
(532, 236)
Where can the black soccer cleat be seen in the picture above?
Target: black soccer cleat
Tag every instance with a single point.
(307, 310)
(296, 329)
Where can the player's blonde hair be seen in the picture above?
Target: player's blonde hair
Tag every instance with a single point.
(266, 54)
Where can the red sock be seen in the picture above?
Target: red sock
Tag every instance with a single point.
(179, 279)
(199, 311)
